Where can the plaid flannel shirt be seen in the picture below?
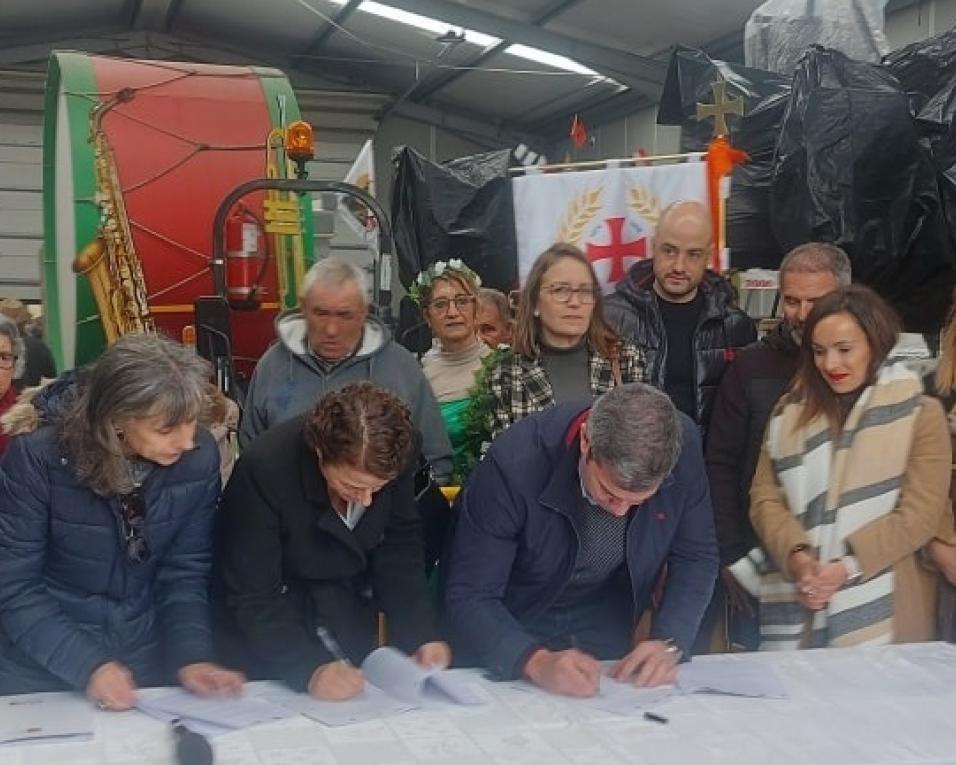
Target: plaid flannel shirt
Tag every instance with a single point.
(520, 386)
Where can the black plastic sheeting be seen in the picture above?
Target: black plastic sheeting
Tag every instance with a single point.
(458, 209)
(851, 169)
(839, 155)
(765, 94)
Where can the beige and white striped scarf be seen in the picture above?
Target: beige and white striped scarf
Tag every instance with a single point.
(834, 489)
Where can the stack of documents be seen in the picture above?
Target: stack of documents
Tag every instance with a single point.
(45, 717)
(212, 716)
(731, 678)
(394, 684)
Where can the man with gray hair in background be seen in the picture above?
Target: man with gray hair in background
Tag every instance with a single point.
(746, 397)
(562, 533)
(329, 342)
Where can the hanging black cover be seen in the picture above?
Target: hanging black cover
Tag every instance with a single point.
(851, 169)
(765, 94)
(458, 209)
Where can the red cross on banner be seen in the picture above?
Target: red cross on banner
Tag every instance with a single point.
(617, 250)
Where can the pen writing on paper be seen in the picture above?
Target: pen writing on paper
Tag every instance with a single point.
(332, 646)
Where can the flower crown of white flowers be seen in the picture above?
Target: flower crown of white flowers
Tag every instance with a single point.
(426, 278)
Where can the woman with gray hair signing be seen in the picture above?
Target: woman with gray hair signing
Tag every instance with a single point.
(106, 518)
(11, 363)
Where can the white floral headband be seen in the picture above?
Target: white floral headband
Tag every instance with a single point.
(423, 282)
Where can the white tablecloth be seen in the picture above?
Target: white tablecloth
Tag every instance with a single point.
(893, 705)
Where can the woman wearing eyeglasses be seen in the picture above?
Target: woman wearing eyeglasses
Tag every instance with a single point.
(11, 363)
(448, 295)
(563, 349)
(106, 516)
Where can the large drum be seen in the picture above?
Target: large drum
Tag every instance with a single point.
(137, 157)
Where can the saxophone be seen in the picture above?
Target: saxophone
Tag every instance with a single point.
(110, 261)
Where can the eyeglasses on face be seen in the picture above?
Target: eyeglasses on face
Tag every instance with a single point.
(462, 302)
(7, 360)
(133, 519)
(561, 293)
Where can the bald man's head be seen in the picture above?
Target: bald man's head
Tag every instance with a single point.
(682, 249)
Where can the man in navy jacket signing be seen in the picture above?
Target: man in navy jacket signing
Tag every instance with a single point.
(563, 532)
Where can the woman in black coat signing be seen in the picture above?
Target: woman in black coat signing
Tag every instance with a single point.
(319, 533)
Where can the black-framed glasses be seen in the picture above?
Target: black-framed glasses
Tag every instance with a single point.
(133, 522)
(7, 360)
(462, 302)
(561, 293)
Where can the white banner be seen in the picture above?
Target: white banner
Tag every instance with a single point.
(352, 211)
(610, 214)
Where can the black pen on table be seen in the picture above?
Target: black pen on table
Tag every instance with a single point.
(655, 718)
(332, 646)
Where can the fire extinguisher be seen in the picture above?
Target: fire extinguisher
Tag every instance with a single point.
(247, 257)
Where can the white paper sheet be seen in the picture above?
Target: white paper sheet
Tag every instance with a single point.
(627, 699)
(750, 679)
(400, 676)
(372, 704)
(45, 717)
(234, 713)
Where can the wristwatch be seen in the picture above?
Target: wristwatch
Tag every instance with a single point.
(672, 647)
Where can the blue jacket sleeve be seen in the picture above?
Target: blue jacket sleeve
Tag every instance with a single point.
(182, 577)
(482, 555)
(692, 561)
(29, 615)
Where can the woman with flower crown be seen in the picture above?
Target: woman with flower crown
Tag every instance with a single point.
(448, 295)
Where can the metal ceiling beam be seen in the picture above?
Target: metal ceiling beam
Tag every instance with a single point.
(328, 30)
(148, 14)
(91, 42)
(430, 85)
(472, 126)
(637, 72)
(175, 6)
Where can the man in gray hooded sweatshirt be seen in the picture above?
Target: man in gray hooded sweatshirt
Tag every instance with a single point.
(333, 341)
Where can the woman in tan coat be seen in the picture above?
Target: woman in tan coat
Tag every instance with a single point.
(852, 481)
(942, 549)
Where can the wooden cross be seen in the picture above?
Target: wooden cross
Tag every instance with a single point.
(722, 107)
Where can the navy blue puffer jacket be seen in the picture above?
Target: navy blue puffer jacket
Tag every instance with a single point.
(70, 599)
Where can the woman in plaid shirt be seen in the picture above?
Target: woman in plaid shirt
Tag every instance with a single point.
(563, 349)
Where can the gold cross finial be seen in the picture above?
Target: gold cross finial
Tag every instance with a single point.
(721, 108)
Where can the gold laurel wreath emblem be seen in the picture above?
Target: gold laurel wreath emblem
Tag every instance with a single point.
(645, 204)
(579, 213)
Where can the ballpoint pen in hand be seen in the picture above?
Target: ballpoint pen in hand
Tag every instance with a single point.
(332, 646)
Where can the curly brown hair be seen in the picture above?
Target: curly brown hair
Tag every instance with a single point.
(363, 426)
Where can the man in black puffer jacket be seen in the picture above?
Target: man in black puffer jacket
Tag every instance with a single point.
(682, 316)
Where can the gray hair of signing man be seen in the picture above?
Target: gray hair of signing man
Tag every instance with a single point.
(137, 377)
(635, 431)
(817, 258)
(333, 272)
(9, 328)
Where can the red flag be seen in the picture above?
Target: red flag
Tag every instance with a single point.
(579, 133)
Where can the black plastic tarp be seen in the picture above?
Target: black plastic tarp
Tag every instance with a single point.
(688, 83)
(838, 155)
(458, 209)
(851, 168)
